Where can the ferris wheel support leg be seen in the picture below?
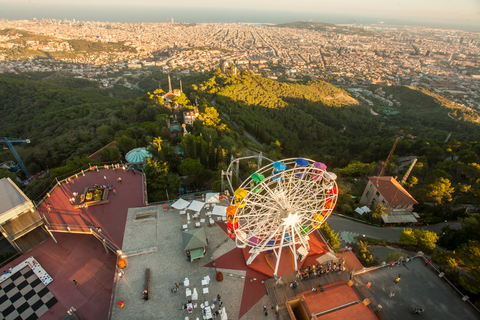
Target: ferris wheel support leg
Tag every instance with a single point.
(294, 250)
(279, 256)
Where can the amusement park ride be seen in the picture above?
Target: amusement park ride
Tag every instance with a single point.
(9, 141)
(280, 206)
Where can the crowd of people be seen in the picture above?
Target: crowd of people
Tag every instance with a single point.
(317, 270)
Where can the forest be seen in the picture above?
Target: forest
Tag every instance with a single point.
(69, 119)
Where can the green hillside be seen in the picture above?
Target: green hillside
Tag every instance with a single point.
(325, 122)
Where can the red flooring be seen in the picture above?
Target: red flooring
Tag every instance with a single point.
(253, 290)
(287, 266)
(259, 269)
(110, 217)
(351, 261)
(81, 258)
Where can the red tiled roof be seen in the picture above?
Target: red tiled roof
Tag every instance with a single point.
(392, 191)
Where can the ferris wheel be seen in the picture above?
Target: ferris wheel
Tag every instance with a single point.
(280, 205)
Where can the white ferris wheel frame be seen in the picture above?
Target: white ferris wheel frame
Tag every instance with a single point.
(289, 202)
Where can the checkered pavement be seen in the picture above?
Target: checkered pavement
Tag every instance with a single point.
(24, 296)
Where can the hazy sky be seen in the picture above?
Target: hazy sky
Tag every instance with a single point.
(467, 11)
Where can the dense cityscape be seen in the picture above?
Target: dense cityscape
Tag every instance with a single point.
(443, 61)
(304, 170)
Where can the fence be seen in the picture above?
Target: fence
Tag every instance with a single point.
(66, 178)
(96, 232)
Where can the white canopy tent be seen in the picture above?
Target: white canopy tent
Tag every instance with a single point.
(212, 198)
(180, 204)
(219, 211)
(196, 206)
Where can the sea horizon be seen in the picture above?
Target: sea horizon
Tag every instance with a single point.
(158, 14)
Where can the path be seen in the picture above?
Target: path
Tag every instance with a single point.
(339, 224)
(248, 135)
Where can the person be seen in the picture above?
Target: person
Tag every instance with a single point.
(427, 263)
(418, 310)
(176, 285)
(145, 295)
(114, 191)
(10, 270)
(75, 282)
(392, 294)
(314, 289)
(264, 308)
(5, 272)
(119, 180)
(398, 279)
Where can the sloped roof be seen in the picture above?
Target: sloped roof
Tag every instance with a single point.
(194, 239)
(392, 191)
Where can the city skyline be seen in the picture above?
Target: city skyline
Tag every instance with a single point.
(427, 12)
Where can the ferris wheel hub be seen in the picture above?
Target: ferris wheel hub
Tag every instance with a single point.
(291, 220)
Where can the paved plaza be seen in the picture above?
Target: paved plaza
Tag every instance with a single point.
(419, 287)
(156, 243)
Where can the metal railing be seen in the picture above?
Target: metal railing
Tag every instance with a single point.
(96, 232)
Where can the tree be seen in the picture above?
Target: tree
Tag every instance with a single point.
(210, 117)
(408, 237)
(365, 255)
(190, 167)
(4, 173)
(422, 239)
(469, 255)
(109, 154)
(105, 133)
(160, 181)
(331, 236)
(440, 191)
(125, 143)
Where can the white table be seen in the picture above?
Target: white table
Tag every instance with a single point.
(184, 227)
(205, 290)
(197, 224)
(204, 282)
(188, 292)
(208, 312)
(186, 282)
(202, 220)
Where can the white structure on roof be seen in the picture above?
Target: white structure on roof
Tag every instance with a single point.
(196, 206)
(180, 204)
(362, 210)
(212, 198)
(19, 216)
(219, 211)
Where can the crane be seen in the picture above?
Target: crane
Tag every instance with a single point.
(388, 158)
(9, 141)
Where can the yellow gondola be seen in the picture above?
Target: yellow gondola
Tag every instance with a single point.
(239, 195)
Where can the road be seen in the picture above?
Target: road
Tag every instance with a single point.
(339, 224)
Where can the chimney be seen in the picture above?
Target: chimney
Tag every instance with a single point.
(169, 84)
(405, 177)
